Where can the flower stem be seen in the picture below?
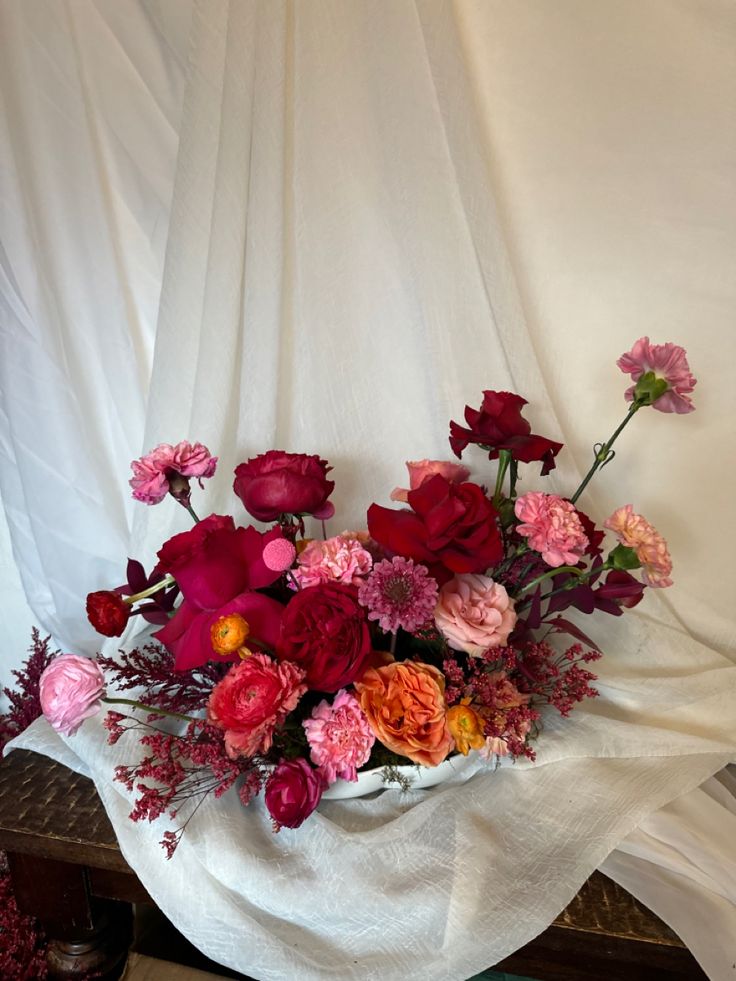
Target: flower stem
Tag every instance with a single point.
(504, 458)
(190, 509)
(151, 709)
(553, 572)
(602, 455)
(164, 584)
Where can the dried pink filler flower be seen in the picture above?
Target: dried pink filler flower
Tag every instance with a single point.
(399, 593)
(552, 527)
(152, 472)
(340, 737)
(666, 361)
(340, 559)
(635, 532)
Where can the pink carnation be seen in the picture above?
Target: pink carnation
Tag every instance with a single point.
(340, 737)
(667, 361)
(635, 532)
(552, 527)
(422, 470)
(152, 472)
(340, 559)
(70, 691)
(474, 613)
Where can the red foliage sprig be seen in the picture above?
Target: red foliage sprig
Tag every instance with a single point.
(25, 705)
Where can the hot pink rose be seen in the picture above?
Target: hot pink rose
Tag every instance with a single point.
(70, 690)
(667, 362)
(474, 613)
(422, 470)
(292, 792)
(552, 527)
(154, 474)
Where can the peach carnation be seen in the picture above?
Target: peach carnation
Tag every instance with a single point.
(635, 532)
(552, 527)
(474, 613)
(340, 559)
(404, 703)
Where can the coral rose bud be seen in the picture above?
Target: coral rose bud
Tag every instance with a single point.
(70, 690)
(229, 633)
(108, 612)
(279, 554)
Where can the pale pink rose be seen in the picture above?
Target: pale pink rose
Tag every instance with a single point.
(340, 559)
(474, 613)
(552, 527)
(340, 737)
(667, 361)
(70, 691)
(422, 470)
(635, 532)
(151, 473)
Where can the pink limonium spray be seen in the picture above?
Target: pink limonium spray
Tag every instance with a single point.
(167, 469)
(340, 737)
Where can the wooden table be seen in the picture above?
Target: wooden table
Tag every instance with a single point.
(68, 871)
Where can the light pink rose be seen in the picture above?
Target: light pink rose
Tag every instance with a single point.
(340, 559)
(552, 527)
(474, 613)
(151, 473)
(667, 361)
(421, 471)
(70, 690)
(635, 532)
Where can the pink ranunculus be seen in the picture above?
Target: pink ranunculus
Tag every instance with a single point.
(635, 532)
(421, 470)
(666, 361)
(292, 792)
(340, 737)
(70, 690)
(153, 473)
(552, 527)
(474, 613)
(340, 559)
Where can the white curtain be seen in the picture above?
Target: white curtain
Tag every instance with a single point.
(326, 227)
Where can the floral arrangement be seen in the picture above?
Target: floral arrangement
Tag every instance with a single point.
(288, 663)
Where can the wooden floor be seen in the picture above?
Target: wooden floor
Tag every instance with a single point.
(142, 968)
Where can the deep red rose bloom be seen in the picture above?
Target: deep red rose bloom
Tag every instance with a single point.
(499, 425)
(292, 792)
(108, 613)
(450, 525)
(277, 483)
(325, 630)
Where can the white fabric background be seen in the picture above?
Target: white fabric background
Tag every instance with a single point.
(375, 212)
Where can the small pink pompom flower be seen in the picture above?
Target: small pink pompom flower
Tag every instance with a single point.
(154, 474)
(340, 737)
(340, 559)
(666, 361)
(635, 532)
(399, 593)
(278, 554)
(70, 691)
(552, 527)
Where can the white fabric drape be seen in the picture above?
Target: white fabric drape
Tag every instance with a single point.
(337, 280)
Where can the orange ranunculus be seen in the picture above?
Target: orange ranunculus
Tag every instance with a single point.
(229, 633)
(466, 727)
(404, 703)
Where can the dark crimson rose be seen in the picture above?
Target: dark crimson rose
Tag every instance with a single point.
(292, 792)
(451, 525)
(277, 483)
(499, 425)
(324, 630)
(108, 613)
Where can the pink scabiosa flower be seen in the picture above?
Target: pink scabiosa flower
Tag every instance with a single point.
(340, 559)
(399, 593)
(661, 362)
(422, 470)
(552, 527)
(474, 613)
(634, 531)
(70, 691)
(168, 469)
(340, 737)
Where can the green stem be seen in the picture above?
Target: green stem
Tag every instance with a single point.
(554, 572)
(190, 509)
(504, 458)
(600, 457)
(164, 584)
(151, 709)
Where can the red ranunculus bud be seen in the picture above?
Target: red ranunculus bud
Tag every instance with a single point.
(107, 612)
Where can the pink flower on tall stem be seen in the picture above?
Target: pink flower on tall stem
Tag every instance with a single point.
(168, 469)
(399, 593)
(667, 362)
(552, 527)
(340, 737)
(635, 532)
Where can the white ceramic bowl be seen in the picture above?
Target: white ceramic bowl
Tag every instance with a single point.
(421, 777)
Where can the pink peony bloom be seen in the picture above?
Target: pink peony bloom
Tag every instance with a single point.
(552, 527)
(340, 559)
(70, 690)
(422, 470)
(474, 613)
(666, 361)
(635, 532)
(399, 593)
(153, 473)
(340, 737)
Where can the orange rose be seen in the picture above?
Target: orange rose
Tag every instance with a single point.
(404, 703)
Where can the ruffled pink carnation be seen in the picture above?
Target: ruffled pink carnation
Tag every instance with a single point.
(399, 593)
(340, 737)
(474, 613)
(151, 473)
(552, 527)
(340, 559)
(422, 470)
(667, 361)
(635, 532)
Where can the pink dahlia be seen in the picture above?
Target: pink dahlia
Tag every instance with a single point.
(399, 593)
(667, 362)
(340, 737)
(552, 528)
(155, 474)
(340, 559)
(635, 532)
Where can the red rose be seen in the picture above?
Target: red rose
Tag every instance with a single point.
(450, 525)
(108, 612)
(499, 425)
(277, 483)
(292, 792)
(325, 631)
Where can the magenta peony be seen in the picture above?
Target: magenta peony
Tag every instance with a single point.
(70, 690)
(474, 613)
(664, 361)
(552, 528)
(635, 532)
(292, 792)
(422, 470)
(339, 737)
(153, 473)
